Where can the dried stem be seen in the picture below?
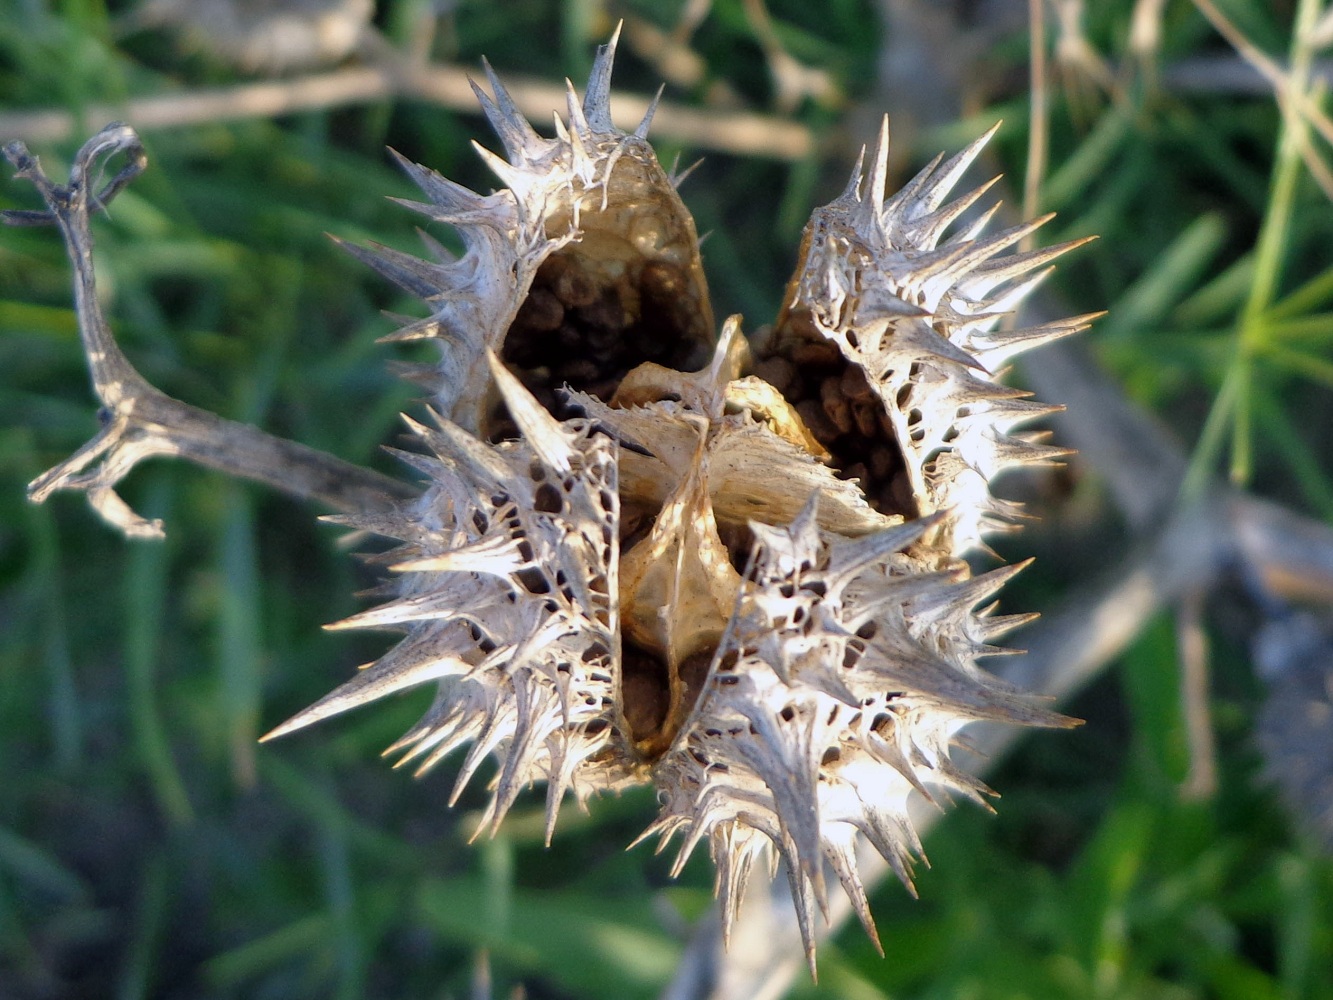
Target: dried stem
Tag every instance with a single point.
(138, 420)
(737, 132)
(1039, 116)
(1192, 646)
(1291, 88)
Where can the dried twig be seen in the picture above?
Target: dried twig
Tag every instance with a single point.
(139, 421)
(1083, 69)
(1291, 87)
(681, 67)
(1192, 643)
(734, 132)
(792, 80)
(1039, 114)
(1221, 74)
(727, 131)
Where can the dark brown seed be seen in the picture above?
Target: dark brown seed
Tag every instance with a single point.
(866, 415)
(816, 353)
(577, 372)
(801, 389)
(606, 313)
(570, 338)
(881, 461)
(540, 311)
(502, 429)
(645, 695)
(534, 379)
(573, 287)
(649, 344)
(885, 424)
(812, 413)
(800, 325)
(762, 341)
(777, 372)
(661, 282)
(885, 499)
(693, 673)
(837, 407)
(602, 340)
(520, 348)
(900, 495)
(854, 384)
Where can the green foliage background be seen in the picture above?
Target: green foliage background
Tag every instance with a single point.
(150, 848)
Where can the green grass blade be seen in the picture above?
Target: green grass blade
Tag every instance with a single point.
(239, 636)
(1146, 304)
(146, 600)
(35, 867)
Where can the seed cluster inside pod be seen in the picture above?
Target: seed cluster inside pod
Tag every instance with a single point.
(573, 330)
(629, 289)
(841, 409)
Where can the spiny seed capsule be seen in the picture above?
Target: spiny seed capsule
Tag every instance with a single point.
(648, 553)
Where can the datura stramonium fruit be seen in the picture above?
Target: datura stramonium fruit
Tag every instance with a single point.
(651, 554)
(647, 552)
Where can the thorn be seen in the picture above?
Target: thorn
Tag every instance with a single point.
(677, 179)
(879, 169)
(578, 121)
(642, 130)
(597, 100)
(852, 192)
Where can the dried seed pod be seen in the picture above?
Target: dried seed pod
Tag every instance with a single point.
(639, 561)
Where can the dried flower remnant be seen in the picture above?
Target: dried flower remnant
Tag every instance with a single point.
(650, 553)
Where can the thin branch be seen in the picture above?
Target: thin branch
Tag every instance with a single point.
(734, 132)
(1222, 74)
(1290, 88)
(1192, 651)
(1039, 116)
(669, 54)
(1145, 34)
(138, 420)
